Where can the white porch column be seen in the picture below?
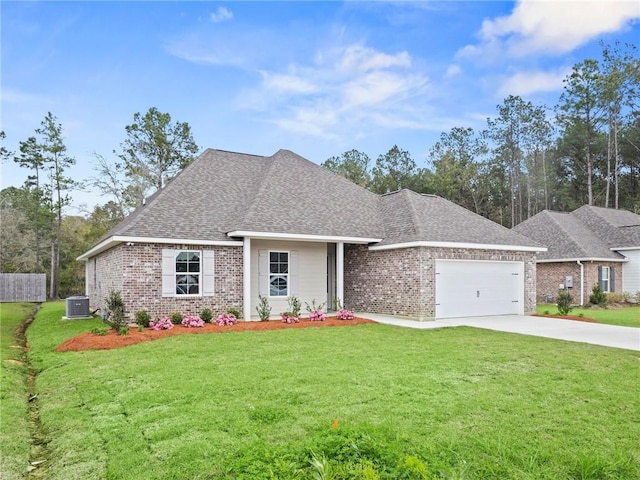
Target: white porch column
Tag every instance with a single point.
(340, 271)
(246, 279)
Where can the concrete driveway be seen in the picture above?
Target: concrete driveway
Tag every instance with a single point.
(571, 330)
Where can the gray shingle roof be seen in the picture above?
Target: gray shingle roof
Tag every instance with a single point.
(222, 192)
(588, 232)
(409, 216)
(618, 228)
(565, 237)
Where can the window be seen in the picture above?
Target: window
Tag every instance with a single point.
(278, 274)
(188, 273)
(605, 279)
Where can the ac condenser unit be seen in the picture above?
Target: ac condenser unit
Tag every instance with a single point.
(78, 307)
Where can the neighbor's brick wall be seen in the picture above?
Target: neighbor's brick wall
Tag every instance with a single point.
(551, 275)
(136, 271)
(402, 281)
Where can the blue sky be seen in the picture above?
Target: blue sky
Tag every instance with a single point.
(318, 78)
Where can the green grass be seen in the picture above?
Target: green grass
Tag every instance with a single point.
(626, 317)
(14, 431)
(448, 403)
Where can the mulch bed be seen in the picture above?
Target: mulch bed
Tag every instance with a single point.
(91, 341)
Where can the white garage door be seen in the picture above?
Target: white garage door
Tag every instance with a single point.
(477, 288)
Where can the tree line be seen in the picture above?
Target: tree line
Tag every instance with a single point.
(584, 150)
(37, 238)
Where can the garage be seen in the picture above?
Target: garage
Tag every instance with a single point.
(466, 288)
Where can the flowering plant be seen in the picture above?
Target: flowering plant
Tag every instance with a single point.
(226, 319)
(316, 313)
(161, 324)
(192, 321)
(317, 316)
(288, 317)
(344, 314)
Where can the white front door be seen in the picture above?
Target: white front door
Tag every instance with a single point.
(466, 288)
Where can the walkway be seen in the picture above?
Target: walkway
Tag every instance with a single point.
(574, 331)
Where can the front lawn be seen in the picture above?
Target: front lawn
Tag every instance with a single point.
(367, 401)
(624, 316)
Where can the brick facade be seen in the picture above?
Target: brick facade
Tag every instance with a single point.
(552, 274)
(136, 271)
(402, 281)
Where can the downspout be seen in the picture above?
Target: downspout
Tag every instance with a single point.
(581, 282)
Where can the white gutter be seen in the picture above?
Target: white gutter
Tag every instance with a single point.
(581, 282)
(301, 237)
(117, 239)
(622, 249)
(475, 246)
(558, 260)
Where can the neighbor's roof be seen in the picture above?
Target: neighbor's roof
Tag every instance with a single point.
(619, 228)
(588, 233)
(222, 193)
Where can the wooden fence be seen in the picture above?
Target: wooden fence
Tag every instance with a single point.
(23, 287)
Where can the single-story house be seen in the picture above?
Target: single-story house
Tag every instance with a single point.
(233, 226)
(587, 247)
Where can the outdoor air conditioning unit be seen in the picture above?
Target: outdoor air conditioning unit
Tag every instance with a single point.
(78, 307)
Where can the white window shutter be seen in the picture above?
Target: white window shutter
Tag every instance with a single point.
(168, 272)
(208, 273)
(263, 272)
(293, 273)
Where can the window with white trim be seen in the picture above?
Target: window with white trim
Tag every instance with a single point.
(278, 274)
(187, 273)
(605, 279)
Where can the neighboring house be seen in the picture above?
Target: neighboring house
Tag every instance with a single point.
(234, 226)
(587, 247)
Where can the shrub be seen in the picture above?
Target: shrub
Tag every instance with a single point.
(176, 318)
(235, 312)
(226, 319)
(344, 314)
(613, 297)
(206, 315)
(143, 318)
(294, 306)
(317, 316)
(123, 330)
(289, 317)
(192, 321)
(99, 331)
(564, 302)
(115, 311)
(263, 308)
(598, 297)
(316, 312)
(163, 323)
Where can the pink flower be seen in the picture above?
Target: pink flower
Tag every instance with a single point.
(226, 319)
(163, 323)
(344, 314)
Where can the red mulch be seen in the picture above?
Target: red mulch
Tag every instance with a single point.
(567, 317)
(91, 341)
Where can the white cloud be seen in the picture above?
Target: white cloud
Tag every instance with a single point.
(340, 91)
(357, 58)
(526, 83)
(221, 15)
(287, 83)
(551, 27)
(453, 70)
